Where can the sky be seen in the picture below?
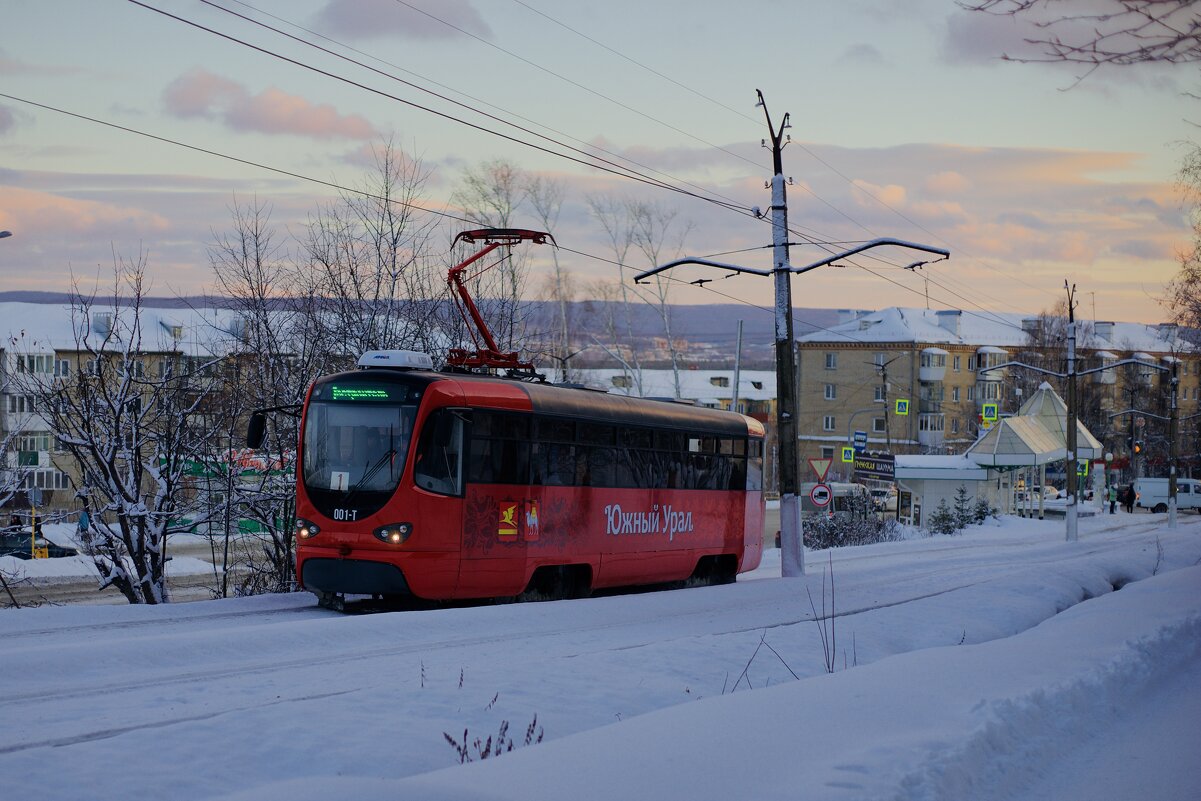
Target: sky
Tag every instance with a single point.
(904, 120)
(998, 664)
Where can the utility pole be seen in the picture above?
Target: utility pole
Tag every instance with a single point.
(792, 557)
(792, 551)
(1071, 468)
(737, 370)
(1173, 430)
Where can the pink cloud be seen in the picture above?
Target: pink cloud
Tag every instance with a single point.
(413, 19)
(947, 183)
(33, 214)
(202, 94)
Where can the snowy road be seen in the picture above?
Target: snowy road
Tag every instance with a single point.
(206, 699)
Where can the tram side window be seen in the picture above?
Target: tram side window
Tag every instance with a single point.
(754, 465)
(498, 461)
(440, 453)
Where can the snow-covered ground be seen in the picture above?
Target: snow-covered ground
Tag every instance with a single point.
(999, 664)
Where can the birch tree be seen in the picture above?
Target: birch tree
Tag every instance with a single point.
(132, 435)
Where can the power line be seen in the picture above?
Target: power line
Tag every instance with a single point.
(460, 104)
(630, 174)
(806, 149)
(576, 84)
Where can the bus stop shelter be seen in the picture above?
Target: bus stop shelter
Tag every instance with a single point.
(1019, 446)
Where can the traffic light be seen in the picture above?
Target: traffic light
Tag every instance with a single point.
(1138, 447)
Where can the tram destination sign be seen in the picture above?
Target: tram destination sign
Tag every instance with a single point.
(878, 466)
(365, 393)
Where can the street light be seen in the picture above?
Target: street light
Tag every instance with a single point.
(792, 556)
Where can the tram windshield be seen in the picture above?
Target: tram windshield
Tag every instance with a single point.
(356, 438)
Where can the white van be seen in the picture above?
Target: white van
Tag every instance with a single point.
(1152, 493)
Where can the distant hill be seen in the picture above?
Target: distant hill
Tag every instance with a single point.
(708, 331)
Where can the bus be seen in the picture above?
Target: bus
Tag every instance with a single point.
(446, 485)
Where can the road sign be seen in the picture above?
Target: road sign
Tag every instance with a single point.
(860, 441)
(821, 467)
(848, 453)
(902, 407)
(820, 494)
(990, 412)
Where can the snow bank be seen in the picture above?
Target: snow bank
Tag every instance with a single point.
(973, 721)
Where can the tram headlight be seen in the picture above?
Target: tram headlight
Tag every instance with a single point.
(305, 529)
(393, 533)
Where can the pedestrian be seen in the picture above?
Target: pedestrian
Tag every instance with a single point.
(1113, 498)
(1128, 499)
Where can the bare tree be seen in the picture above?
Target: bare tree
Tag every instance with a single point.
(1115, 32)
(1184, 290)
(491, 194)
(365, 263)
(274, 357)
(617, 316)
(132, 435)
(546, 197)
(655, 230)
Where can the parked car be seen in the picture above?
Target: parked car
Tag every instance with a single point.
(1047, 492)
(16, 543)
(884, 499)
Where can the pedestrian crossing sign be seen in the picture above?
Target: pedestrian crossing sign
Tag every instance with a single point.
(902, 407)
(848, 453)
(990, 412)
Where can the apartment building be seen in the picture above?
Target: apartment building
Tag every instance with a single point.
(42, 344)
(852, 375)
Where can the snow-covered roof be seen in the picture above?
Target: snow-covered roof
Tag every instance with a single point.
(1036, 435)
(920, 466)
(702, 386)
(997, 329)
(49, 327)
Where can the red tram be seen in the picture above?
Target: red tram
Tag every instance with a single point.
(452, 485)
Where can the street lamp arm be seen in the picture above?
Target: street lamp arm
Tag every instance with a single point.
(875, 243)
(641, 277)
(1122, 362)
(1003, 365)
(1141, 412)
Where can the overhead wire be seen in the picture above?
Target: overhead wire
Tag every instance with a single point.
(460, 104)
(803, 147)
(627, 173)
(633, 176)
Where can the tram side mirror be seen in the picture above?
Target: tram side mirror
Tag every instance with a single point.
(256, 430)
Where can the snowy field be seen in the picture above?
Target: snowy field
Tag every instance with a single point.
(999, 664)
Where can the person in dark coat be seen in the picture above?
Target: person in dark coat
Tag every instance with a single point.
(1128, 499)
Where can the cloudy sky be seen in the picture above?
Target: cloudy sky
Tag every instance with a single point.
(905, 123)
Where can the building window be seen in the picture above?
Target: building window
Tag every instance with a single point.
(990, 391)
(831, 361)
(955, 364)
(828, 422)
(827, 452)
(877, 425)
(20, 404)
(757, 384)
(720, 381)
(878, 359)
(971, 392)
(955, 392)
(62, 368)
(831, 392)
(879, 394)
(955, 425)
